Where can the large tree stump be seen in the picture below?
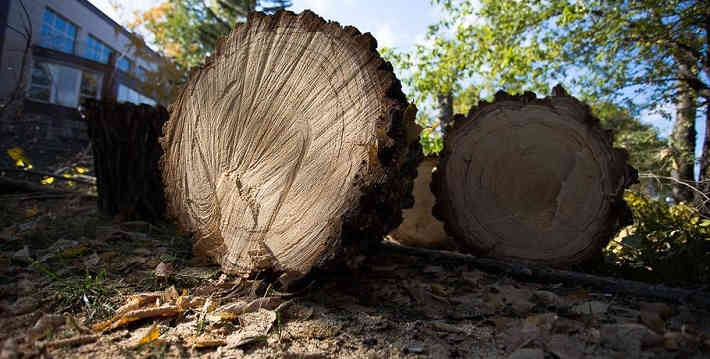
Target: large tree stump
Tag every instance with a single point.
(532, 180)
(292, 142)
(124, 139)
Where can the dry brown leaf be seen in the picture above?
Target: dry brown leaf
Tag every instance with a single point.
(151, 335)
(234, 310)
(255, 326)
(135, 315)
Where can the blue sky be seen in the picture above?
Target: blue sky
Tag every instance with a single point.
(394, 23)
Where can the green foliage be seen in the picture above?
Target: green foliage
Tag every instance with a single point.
(666, 242)
(188, 30)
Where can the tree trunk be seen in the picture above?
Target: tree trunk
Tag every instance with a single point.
(292, 145)
(419, 228)
(682, 142)
(532, 180)
(446, 110)
(124, 138)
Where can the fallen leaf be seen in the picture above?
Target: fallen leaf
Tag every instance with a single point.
(151, 335)
(255, 326)
(234, 310)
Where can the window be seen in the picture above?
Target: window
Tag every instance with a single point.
(96, 50)
(142, 73)
(127, 94)
(57, 32)
(90, 86)
(124, 64)
(40, 83)
(62, 85)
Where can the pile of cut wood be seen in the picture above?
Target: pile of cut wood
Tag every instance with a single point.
(293, 145)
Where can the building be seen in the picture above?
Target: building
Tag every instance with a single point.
(77, 52)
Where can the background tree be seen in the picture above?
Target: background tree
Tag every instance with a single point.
(188, 30)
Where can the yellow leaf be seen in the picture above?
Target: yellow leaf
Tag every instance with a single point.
(31, 212)
(81, 170)
(152, 334)
(73, 252)
(47, 180)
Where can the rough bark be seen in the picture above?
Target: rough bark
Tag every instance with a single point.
(532, 180)
(290, 146)
(419, 228)
(124, 138)
(446, 110)
(682, 142)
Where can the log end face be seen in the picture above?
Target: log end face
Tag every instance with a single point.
(531, 180)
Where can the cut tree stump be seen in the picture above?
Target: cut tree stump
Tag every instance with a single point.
(124, 139)
(532, 180)
(291, 145)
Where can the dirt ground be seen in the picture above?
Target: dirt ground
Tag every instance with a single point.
(73, 284)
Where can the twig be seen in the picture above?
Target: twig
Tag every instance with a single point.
(45, 174)
(547, 274)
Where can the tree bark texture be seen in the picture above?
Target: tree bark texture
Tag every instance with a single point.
(446, 110)
(124, 139)
(532, 180)
(704, 177)
(292, 145)
(682, 143)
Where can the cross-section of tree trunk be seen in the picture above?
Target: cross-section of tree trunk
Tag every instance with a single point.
(532, 180)
(293, 142)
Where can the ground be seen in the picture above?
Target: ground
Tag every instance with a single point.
(76, 284)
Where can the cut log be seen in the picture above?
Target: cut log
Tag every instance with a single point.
(124, 139)
(292, 144)
(419, 228)
(532, 180)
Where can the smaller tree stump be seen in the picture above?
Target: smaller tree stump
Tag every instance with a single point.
(532, 180)
(124, 139)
